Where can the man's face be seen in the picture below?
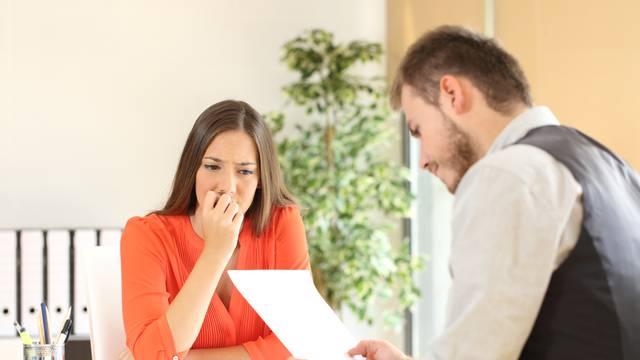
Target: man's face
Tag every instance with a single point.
(445, 149)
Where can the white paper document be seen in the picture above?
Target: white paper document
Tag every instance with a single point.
(290, 305)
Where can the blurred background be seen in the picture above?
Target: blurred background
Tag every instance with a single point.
(97, 98)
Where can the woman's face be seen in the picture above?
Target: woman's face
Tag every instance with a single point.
(230, 165)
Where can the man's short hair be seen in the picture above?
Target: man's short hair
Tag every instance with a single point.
(457, 51)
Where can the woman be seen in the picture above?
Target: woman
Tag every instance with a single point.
(228, 209)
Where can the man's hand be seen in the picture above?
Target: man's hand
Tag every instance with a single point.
(378, 350)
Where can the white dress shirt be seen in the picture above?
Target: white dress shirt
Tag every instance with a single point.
(517, 215)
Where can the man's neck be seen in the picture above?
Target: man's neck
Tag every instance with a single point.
(490, 125)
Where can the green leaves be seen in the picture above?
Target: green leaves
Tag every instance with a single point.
(322, 67)
(351, 192)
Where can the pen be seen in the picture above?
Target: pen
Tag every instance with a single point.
(65, 326)
(45, 323)
(64, 322)
(64, 334)
(26, 339)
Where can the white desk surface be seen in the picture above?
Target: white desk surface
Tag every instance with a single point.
(11, 348)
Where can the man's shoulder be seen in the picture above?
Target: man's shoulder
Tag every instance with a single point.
(525, 163)
(519, 169)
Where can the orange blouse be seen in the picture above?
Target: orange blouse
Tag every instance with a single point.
(158, 252)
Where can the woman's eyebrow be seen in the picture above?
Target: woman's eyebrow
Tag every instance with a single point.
(244, 163)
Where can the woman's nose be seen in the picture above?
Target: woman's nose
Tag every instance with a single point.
(227, 185)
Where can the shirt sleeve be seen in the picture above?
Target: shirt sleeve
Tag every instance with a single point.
(145, 299)
(507, 229)
(291, 254)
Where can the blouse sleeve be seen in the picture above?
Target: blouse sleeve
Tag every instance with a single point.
(145, 299)
(291, 254)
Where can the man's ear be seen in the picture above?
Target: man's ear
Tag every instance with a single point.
(452, 94)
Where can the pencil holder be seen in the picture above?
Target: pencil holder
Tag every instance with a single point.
(43, 352)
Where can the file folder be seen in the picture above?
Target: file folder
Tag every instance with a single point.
(8, 282)
(31, 278)
(58, 275)
(82, 241)
(110, 237)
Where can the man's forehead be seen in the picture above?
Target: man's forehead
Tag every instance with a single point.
(409, 99)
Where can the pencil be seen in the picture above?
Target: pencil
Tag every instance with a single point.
(40, 329)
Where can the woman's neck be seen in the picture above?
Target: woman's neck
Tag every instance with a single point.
(196, 223)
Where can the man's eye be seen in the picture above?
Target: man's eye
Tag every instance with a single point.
(211, 167)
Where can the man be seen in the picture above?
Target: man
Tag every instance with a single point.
(545, 256)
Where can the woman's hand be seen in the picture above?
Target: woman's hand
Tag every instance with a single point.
(221, 222)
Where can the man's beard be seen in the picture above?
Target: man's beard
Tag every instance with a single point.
(462, 155)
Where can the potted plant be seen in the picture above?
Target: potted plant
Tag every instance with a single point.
(338, 167)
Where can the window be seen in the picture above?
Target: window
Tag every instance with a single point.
(430, 234)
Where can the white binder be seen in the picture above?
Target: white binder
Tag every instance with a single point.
(31, 278)
(8, 287)
(110, 237)
(83, 240)
(58, 273)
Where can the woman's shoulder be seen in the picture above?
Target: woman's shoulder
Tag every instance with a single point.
(152, 229)
(152, 222)
(285, 219)
(282, 214)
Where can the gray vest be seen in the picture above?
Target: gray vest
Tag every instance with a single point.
(592, 306)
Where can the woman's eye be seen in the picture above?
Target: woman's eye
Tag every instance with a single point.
(247, 172)
(211, 167)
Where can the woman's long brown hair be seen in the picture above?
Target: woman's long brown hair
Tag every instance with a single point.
(225, 116)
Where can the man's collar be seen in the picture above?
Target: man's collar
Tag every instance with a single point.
(519, 126)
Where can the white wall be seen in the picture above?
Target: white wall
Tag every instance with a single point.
(97, 97)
